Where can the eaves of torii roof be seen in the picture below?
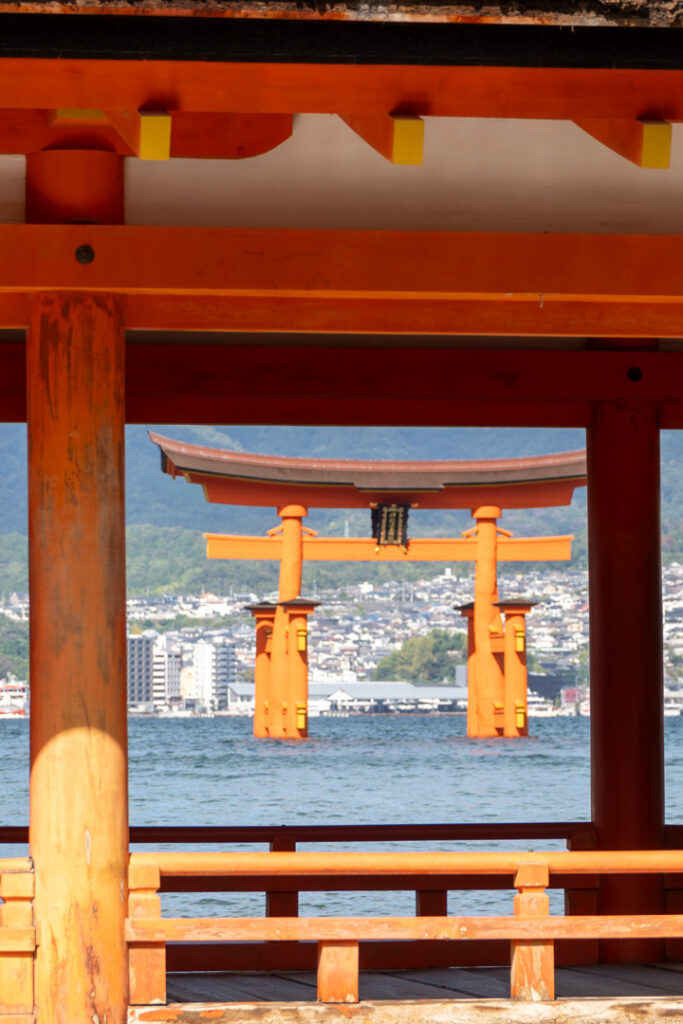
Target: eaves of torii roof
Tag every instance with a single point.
(245, 478)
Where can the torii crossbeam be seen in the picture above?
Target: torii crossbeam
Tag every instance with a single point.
(496, 666)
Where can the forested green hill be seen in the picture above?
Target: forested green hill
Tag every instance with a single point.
(167, 517)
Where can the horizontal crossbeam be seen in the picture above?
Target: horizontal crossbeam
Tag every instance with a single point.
(336, 383)
(459, 91)
(423, 549)
(400, 267)
(259, 929)
(403, 282)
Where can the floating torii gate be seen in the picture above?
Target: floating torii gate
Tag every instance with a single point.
(496, 653)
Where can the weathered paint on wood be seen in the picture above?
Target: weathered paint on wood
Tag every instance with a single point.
(642, 1010)
(338, 972)
(78, 790)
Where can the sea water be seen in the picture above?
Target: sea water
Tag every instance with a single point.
(359, 770)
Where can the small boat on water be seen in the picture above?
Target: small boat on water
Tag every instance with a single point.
(539, 707)
(13, 699)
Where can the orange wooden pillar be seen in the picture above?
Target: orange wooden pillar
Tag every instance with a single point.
(515, 721)
(467, 611)
(298, 611)
(291, 565)
(487, 624)
(627, 749)
(264, 614)
(78, 788)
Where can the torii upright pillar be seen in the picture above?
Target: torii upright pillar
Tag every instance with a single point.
(490, 682)
(264, 616)
(515, 717)
(285, 714)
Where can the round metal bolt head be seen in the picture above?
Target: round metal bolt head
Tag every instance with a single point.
(85, 254)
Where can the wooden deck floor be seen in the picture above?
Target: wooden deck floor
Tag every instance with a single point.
(594, 980)
(593, 994)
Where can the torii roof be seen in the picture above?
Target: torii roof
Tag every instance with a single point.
(245, 478)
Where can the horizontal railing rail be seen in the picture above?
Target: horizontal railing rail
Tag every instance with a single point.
(355, 929)
(425, 865)
(280, 834)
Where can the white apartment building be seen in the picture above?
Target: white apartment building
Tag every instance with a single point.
(166, 668)
(214, 665)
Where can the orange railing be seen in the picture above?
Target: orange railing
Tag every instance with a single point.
(530, 931)
(17, 936)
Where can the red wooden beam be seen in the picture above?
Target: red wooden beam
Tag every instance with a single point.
(356, 281)
(341, 266)
(555, 93)
(214, 383)
(371, 385)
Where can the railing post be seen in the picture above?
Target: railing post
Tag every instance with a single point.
(580, 902)
(532, 973)
(16, 968)
(338, 972)
(146, 961)
(282, 904)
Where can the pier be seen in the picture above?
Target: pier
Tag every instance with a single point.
(474, 295)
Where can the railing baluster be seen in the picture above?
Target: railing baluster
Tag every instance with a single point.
(338, 972)
(583, 902)
(282, 904)
(147, 963)
(532, 971)
(431, 903)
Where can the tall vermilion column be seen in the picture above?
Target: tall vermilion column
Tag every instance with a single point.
(264, 614)
(78, 789)
(627, 749)
(291, 565)
(467, 610)
(298, 611)
(487, 621)
(515, 720)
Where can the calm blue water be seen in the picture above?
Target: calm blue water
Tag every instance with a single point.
(353, 770)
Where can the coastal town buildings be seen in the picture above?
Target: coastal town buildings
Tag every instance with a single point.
(206, 667)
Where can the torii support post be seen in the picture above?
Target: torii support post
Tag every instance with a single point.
(297, 657)
(78, 788)
(467, 611)
(487, 624)
(281, 716)
(627, 748)
(264, 615)
(515, 718)
(485, 544)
